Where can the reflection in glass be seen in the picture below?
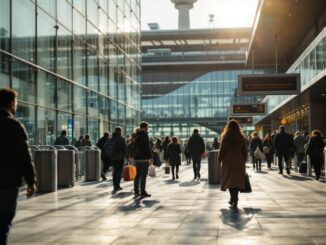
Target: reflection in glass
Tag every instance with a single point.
(93, 130)
(79, 100)
(79, 126)
(65, 122)
(64, 52)
(24, 81)
(23, 29)
(26, 115)
(46, 87)
(4, 71)
(46, 126)
(4, 24)
(64, 90)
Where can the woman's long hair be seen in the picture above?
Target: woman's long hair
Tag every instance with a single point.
(233, 131)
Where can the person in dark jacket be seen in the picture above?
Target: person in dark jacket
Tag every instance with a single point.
(86, 141)
(299, 141)
(16, 161)
(315, 151)
(118, 158)
(253, 144)
(62, 139)
(196, 147)
(174, 151)
(79, 141)
(216, 144)
(284, 147)
(165, 144)
(143, 157)
(268, 150)
(106, 161)
(187, 153)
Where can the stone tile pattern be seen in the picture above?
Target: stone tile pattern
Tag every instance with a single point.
(281, 210)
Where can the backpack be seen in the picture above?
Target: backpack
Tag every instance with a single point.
(111, 149)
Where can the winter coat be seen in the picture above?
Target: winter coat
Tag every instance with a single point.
(254, 143)
(174, 151)
(143, 150)
(315, 147)
(86, 142)
(165, 150)
(61, 140)
(269, 144)
(284, 144)
(196, 145)
(299, 142)
(16, 158)
(120, 147)
(233, 156)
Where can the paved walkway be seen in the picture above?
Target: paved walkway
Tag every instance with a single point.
(281, 210)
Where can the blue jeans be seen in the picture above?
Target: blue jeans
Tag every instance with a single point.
(142, 171)
(8, 204)
(196, 160)
(117, 172)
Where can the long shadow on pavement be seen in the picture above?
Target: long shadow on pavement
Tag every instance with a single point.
(189, 183)
(298, 178)
(237, 218)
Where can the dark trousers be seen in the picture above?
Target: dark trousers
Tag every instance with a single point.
(8, 203)
(269, 159)
(106, 164)
(234, 193)
(280, 161)
(142, 171)
(316, 164)
(256, 162)
(176, 167)
(196, 160)
(117, 172)
(300, 157)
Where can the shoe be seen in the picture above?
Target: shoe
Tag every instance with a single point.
(317, 177)
(177, 176)
(230, 202)
(235, 204)
(145, 194)
(287, 170)
(195, 177)
(103, 177)
(136, 194)
(173, 177)
(119, 188)
(198, 175)
(281, 172)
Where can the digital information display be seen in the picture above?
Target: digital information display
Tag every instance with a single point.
(248, 109)
(269, 84)
(242, 120)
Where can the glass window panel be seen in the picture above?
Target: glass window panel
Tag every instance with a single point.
(93, 130)
(49, 6)
(114, 110)
(92, 69)
(26, 115)
(79, 126)
(79, 26)
(65, 123)
(79, 100)
(93, 109)
(23, 29)
(24, 81)
(79, 61)
(64, 58)
(46, 126)
(45, 41)
(92, 11)
(92, 36)
(103, 77)
(64, 90)
(104, 107)
(46, 86)
(4, 71)
(65, 13)
(81, 6)
(4, 24)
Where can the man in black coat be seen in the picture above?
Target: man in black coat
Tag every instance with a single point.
(106, 161)
(16, 161)
(118, 157)
(62, 139)
(196, 147)
(143, 156)
(284, 147)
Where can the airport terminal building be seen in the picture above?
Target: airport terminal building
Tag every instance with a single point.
(75, 64)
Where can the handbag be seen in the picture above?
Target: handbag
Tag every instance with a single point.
(167, 170)
(267, 149)
(259, 154)
(151, 171)
(247, 187)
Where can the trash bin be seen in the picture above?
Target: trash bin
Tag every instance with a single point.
(66, 167)
(46, 169)
(92, 158)
(77, 159)
(214, 169)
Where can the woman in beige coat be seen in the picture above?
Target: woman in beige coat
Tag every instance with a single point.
(233, 156)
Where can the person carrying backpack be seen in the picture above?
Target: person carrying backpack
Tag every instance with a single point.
(116, 150)
(105, 160)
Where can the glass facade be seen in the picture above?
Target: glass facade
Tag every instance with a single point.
(204, 100)
(310, 65)
(75, 64)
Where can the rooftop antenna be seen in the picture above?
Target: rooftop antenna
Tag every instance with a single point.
(211, 21)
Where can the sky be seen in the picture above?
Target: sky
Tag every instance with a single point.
(228, 13)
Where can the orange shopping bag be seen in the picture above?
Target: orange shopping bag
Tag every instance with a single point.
(129, 173)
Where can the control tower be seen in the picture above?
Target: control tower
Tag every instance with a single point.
(184, 6)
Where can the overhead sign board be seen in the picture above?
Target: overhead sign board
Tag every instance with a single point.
(242, 120)
(269, 84)
(248, 109)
